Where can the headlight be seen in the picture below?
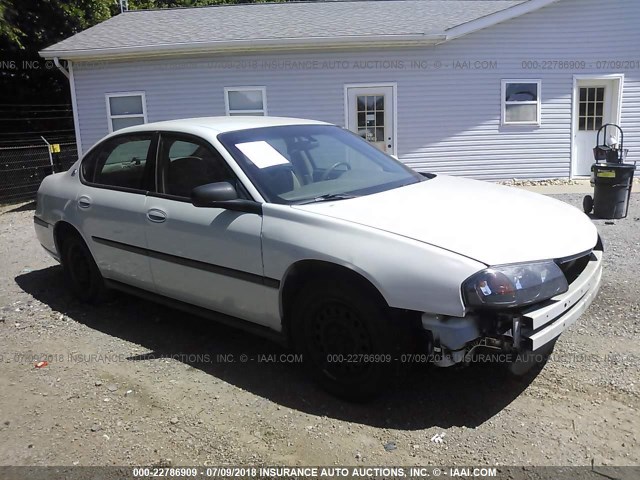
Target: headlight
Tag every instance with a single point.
(514, 285)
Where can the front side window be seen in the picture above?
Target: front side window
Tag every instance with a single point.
(120, 162)
(303, 163)
(125, 110)
(251, 101)
(521, 102)
(186, 163)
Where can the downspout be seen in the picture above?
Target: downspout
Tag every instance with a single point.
(64, 71)
(74, 104)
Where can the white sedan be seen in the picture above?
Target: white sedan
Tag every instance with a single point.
(303, 231)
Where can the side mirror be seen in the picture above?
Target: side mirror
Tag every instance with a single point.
(211, 193)
(223, 195)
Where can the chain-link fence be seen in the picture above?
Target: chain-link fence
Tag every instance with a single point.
(23, 166)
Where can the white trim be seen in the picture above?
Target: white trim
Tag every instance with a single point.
(306, 43)
(74, 109)
(111, 117)
(575, 113)
(263, 89)
(497, 17)
(394, 90)
(503, 102)
(395, 120)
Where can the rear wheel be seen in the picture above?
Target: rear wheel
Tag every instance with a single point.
(81, 271)
(587, 204)
(346, 338)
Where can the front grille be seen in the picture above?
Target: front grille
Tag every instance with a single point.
(574, 266)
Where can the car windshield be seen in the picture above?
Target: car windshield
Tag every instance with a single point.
(309, 163)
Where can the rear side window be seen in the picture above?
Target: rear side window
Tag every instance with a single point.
(121, 162)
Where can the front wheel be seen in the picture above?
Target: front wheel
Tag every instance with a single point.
(587, 204)
(527, 363)
(346, 338)
(81, 271)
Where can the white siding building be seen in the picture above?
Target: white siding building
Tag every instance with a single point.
(492, 89)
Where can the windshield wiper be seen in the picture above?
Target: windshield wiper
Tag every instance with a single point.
(328, 197)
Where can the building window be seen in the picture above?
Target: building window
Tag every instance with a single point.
(521, 102)
(591, 108)
(245, 101)
(126, 109)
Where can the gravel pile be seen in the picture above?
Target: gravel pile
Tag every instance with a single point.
(538, 183)
(550, 182)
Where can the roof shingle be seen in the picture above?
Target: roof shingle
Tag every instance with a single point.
(278, 21)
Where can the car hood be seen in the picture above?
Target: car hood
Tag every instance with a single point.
(487, 222)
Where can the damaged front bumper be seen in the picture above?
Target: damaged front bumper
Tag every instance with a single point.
(542, 324)
(455, 338)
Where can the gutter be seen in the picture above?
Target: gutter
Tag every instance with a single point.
(253, 45)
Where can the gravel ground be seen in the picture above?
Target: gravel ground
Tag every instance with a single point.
(128, 383)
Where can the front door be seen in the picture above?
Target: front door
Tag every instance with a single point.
(597, 104)
(210, 257)
(370, 115)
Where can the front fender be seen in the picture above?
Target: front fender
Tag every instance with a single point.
(407, 273)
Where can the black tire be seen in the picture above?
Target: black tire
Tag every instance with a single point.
(334, 324)
(81, 272)
(587, 204)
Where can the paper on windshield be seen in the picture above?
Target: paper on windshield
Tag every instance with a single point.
(261, 154)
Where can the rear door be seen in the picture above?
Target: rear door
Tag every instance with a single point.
(110, 206)
(210, 257)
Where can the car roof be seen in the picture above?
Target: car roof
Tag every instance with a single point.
(215, 125)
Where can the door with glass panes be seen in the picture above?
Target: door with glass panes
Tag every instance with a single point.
(370, 115)
(596, 105)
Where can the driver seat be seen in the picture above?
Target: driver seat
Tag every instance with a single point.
(185, 174)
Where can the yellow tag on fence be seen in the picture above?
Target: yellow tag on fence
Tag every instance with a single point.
(54, 148)
(606, 174)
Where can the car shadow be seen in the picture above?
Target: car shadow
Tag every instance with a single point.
(426, 397)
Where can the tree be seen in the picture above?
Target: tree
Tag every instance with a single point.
(28, 26)
(27, 82)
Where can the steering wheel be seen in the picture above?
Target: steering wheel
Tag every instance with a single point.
(331, 169)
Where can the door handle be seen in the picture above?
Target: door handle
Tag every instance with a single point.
(156, 215)
(84, 202)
